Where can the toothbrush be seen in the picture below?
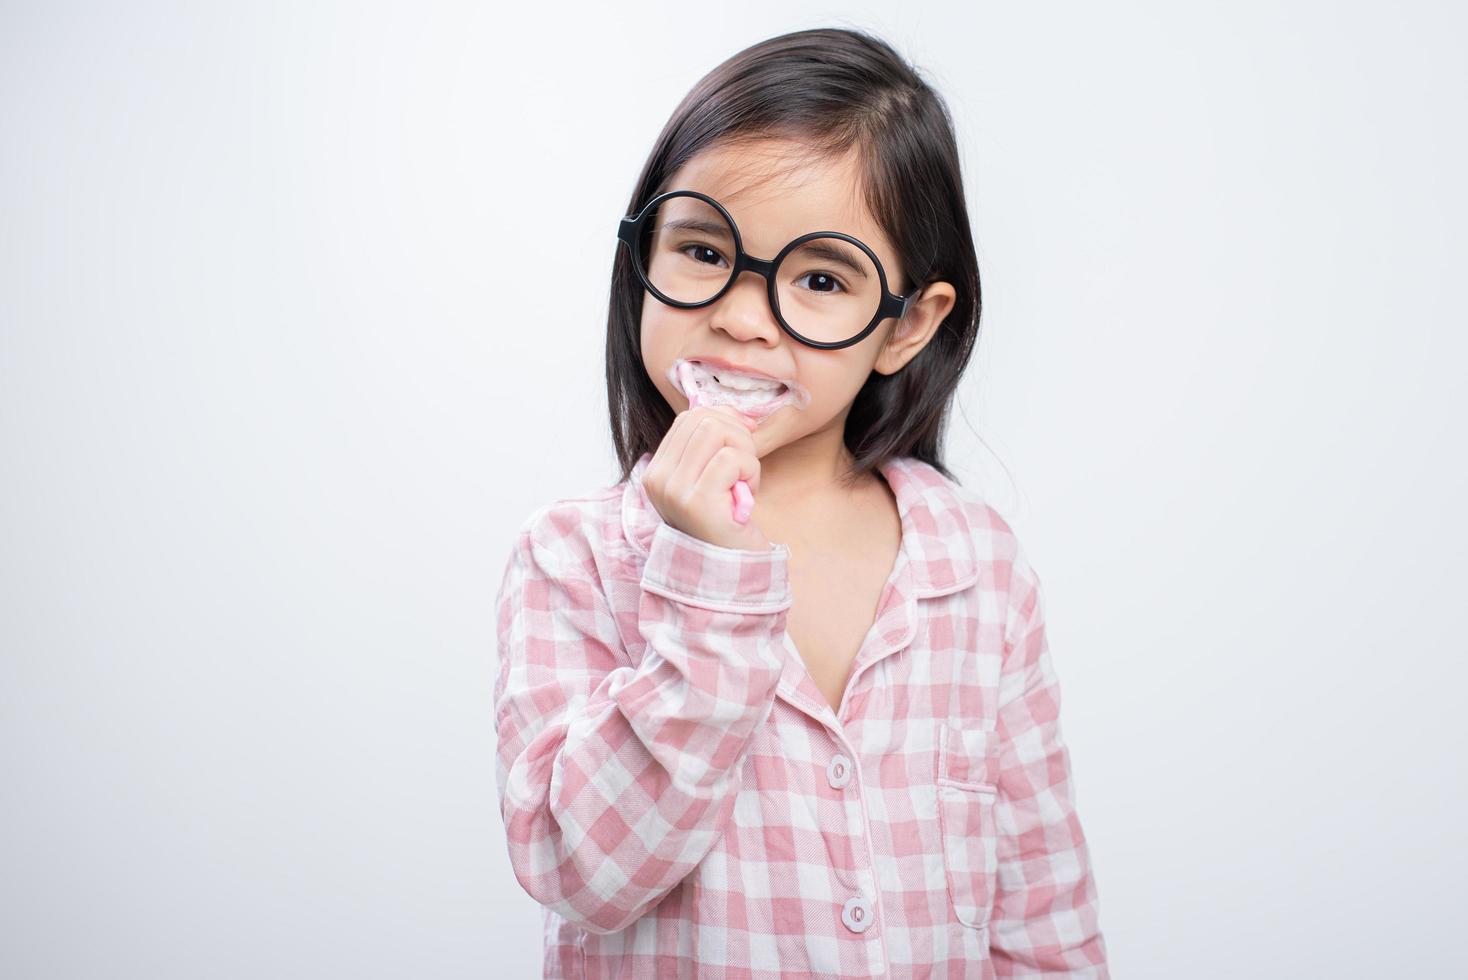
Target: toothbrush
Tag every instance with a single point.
(743, 498)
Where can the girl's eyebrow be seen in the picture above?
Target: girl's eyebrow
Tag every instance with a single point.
(697, 224)
(821, 248)
(826, 248)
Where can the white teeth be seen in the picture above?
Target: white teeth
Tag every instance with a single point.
(749, 397)
(731, 380)
(749, 394)
(743, 382)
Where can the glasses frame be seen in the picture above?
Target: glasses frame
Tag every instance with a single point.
(629, 230)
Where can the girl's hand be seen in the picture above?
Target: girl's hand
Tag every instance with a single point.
(690, 477)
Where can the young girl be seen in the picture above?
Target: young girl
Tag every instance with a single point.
(818, 739)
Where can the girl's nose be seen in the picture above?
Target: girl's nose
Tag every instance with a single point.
(744, 311)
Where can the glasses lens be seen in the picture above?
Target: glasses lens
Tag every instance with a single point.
(828, 289)
(687, 249)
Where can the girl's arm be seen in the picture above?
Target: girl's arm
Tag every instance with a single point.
(1045, 918)
(615, 780)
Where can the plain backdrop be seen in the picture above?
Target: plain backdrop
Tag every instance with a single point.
(301, 315)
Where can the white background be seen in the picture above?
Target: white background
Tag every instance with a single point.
(302, 313)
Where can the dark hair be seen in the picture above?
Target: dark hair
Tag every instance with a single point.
(831, 89)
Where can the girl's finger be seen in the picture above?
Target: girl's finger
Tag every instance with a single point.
(704, 440)
(676, 439)
(665, 458)
(705, 430)
(725, 468)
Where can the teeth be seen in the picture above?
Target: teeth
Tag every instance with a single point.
(744, 382)
(750, 397)
(749, 394)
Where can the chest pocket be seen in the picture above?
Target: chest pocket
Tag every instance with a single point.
(968, 788)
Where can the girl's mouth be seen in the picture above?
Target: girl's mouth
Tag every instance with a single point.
(754, 396)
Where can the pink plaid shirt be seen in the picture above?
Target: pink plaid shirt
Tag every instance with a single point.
(680, 798)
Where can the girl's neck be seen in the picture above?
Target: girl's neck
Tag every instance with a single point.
(803, 478)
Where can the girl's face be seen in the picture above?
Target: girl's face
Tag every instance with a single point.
(776, 191)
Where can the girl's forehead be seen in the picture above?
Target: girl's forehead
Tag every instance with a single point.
(778, 191)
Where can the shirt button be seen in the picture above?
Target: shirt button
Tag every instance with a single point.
(838, 771)
(857, 913)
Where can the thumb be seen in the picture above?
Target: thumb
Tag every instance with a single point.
(749, 472)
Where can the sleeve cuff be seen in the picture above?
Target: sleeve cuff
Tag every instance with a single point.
(691, 570)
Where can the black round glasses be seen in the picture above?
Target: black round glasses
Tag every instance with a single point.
(827, 289)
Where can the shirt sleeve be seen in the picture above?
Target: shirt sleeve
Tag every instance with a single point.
(1045, 917)
(616, 779)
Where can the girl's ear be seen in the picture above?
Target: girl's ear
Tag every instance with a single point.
(908, 336)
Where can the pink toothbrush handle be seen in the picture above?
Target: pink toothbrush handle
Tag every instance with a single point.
(743, 501)
(743, 498)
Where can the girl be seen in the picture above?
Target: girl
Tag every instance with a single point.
(699, 774)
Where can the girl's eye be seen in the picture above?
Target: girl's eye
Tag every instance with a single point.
(823, 282)
(702, 254)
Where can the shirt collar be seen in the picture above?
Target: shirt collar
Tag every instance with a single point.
(937, 533)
